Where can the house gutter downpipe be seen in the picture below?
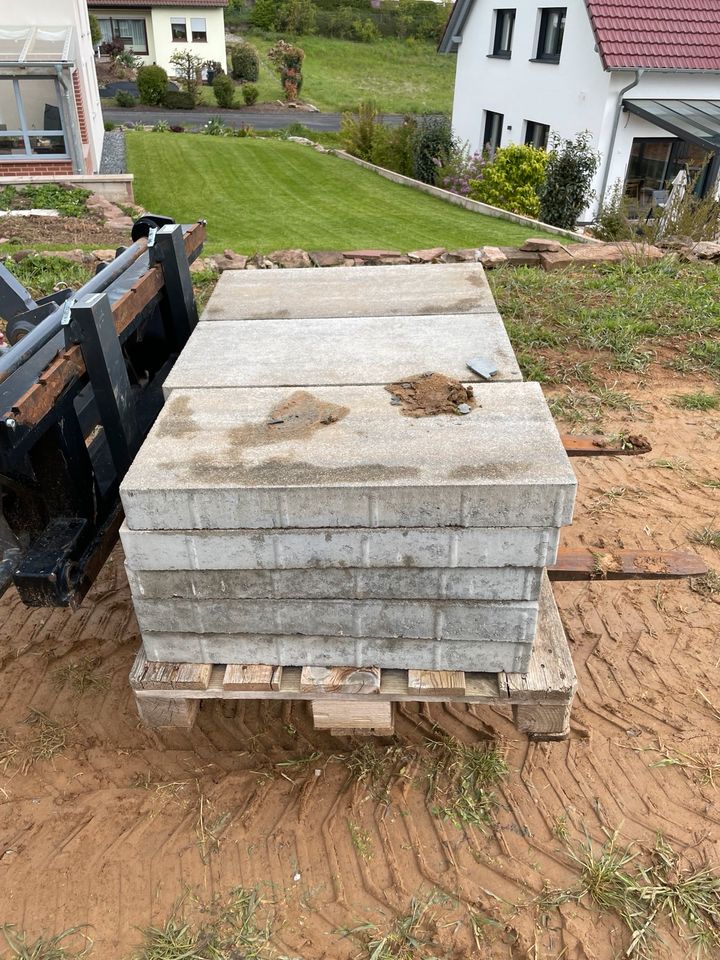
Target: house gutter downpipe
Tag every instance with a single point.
(613, 135)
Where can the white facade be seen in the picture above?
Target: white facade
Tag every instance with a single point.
(573, 95)
(81, 100)
(155, 33)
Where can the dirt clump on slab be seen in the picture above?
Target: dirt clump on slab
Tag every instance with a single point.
(297, 417)
(431, 394)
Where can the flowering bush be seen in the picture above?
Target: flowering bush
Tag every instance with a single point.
(287, 60)
(460, 170)
(216, 127)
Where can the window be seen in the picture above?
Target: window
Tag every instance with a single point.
(30, 118)
(504, 25)
(178, 25)
(493, 131)
(198, 29)
(132, 33)
(536, 134)
(550, 38)
(655, 162)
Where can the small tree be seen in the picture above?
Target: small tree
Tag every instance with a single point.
(187, 70)
(287, 60)
(567, 188)
(152, 84)
(95, 31)
(224, 90)
(264, 15)
(512, 179)
(297, 17)
(245, 62)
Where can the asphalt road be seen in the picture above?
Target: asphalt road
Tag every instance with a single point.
(273, 120)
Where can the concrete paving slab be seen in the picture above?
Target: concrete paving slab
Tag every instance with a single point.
(503, 583)
(325, 352)
(333, 547)
(339, 652)
(405, 290)
(511, 620)
(344, 457)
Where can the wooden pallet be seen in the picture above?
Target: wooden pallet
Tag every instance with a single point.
(350, 700)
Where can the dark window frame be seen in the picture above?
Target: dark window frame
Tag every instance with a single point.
(501, 15)
(541, 56)
(494, 122)
(531, 127)
(173, 25)
(115, 29)
(198, 36)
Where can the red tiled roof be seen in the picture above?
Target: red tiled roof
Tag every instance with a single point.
(122, 4)
(657, 34)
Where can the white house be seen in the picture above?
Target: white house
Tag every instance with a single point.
(50, 114)
(155, 29)
(642, 76)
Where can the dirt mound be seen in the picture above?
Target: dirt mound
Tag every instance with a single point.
(431, 394)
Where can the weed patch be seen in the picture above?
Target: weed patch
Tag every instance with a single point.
(43, 275)
(706, 586)
(646, 893)
(68, 201)
(697, 401)
(707, 537)
(229, 926)
(61, 946)
(408, 938)
(46, 741)
(82, 675)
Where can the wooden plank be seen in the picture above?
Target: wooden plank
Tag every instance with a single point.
(362, 732)
(597, 446)
(162, 712)
(436, 681)
(365, 714)
(155, 675)
(340, 679)
(585, 564)
(543, 721)
(251, 676)
(551, 675)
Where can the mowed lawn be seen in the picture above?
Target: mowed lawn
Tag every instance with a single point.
(399, 77)
(259, 195)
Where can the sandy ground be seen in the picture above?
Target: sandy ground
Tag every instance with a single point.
(108, 832)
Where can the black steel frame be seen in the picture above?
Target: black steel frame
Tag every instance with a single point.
(62, 462)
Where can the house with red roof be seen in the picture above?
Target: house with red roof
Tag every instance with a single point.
(155, 29)
(641, 76)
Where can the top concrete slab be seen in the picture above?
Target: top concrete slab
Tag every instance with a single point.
(347, 457)
(406, 290)
(329, 351)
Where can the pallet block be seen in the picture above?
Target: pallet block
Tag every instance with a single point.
(351, 700)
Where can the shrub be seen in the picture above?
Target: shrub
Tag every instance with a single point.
(361, 133)
(109, 125)
(567, 188)
(250, 94)
(162, 126)
(612, 221)
(287, 60)
(152, 83)
(512, 179)
(95, 31)
(187, 68)
(433, 145)
(244, 131)
(460, 170)
(224, 90)
(264, 15)
(124, 99)
(216, 127)
(178, 100)
(128, 59)
(393, 147)
(297, 17)
(176, 129)
(112, 48)
(245, 62)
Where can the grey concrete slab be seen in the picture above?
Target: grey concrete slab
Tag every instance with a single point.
(510, 620)
(501, 583)
(326, 352)
(344, 457)
(333, 547)
(406, 290)
(339, 652)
